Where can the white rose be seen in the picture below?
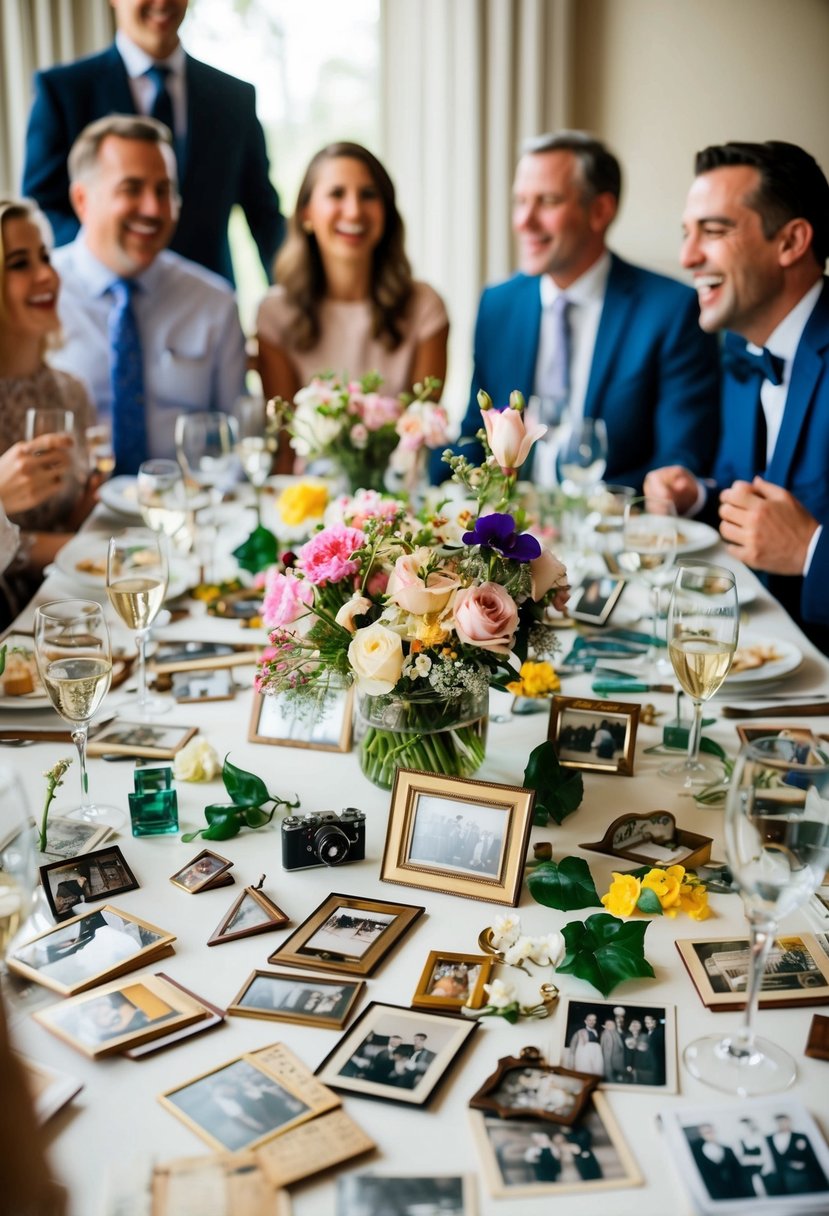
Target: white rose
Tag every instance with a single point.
(358, 605)
(197, 761)
(312, 432)
(518, 951)
(505, 930)
(546, 949)
(376, 656)
(499, 994)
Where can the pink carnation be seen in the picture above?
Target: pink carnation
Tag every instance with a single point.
(286, 598)
(379, 411)
(326, 558)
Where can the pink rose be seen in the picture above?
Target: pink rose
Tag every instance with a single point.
(547, 572)
(286, 598)
(487, 617)
(412, 593)
(509, 438)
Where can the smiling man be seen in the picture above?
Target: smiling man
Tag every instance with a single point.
(579, 327)
(756, 228)
(150, 333)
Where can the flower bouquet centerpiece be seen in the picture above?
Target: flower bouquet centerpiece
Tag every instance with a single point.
(361, 432)
(422, 614)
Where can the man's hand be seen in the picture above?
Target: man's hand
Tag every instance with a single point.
(673, 482)
(33, 471)
(765, 526)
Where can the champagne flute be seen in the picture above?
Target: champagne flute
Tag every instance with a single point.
(99, 450)
(136, 586)
(204, 445)
(18, 869)
(252, 446)
(649, 540)
(703, 627)
(163, 501)
(777, 847)
(74, 659)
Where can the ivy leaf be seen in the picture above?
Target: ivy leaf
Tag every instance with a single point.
(565, 886)
(648, 902)
(605, 951)
(245, 789)
(558, 791)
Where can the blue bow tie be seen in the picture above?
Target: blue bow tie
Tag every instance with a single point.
(743, 364)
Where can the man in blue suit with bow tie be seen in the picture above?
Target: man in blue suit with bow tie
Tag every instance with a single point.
(219, 143)
(756, 240)
(580, 327)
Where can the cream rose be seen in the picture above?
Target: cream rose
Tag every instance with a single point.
(409, 591)
(376, 656)
(197, 761)
(358, 605)
(487, 617)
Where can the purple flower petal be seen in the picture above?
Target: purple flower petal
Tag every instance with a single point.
(497, 531)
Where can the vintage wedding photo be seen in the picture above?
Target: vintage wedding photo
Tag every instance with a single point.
(628, 1046)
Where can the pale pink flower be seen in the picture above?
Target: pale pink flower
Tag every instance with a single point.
(411, 593)
(326, 557)
(379, 411)
(358, 605)
(487, 617)
(509, 439)
(358, 436)
(546, 573)
(286, 598)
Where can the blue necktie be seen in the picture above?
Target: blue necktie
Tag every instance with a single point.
(557, 378)
(129, 432)
(162, 107)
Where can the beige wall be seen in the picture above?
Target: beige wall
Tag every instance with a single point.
(659, 79)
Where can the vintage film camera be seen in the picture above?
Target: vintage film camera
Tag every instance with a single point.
(323, 838)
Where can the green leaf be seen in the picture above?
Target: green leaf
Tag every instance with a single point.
(187, 836)
(255, 817)
(246, 789)
(565, 886)
(258, 552)
(223, 827)
(559, 791)
(3, 650)
(712, 748)
(648, 902)
(605, 951)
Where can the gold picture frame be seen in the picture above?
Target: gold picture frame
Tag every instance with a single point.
(206, 870)
(796, 971)
(346, 934)
(459, 835)
(250, 913)
(326, 729)
(596, 736)
(449, 982)
(141, 739)
(262, 989)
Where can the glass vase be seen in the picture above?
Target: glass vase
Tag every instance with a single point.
(434, 733)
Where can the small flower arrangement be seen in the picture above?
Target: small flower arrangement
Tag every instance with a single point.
(505, 939)
(502, 1002)
(658, 892)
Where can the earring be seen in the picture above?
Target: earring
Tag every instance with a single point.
(307, 226)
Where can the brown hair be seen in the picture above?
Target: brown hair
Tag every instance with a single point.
(299, 269)
(21, 209)
(83, 155)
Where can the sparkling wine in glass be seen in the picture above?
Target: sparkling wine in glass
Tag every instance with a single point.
(703, 628)
(205, 442)
(74, 659)
(163, 501)
(252, 446)
(136, 586)
(777, 847)
(649, 540)
(99, 450)
(18, 867)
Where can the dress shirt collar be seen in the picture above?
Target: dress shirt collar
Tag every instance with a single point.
(785, 339)
(137, 61)
(589, 288)
(98, 278)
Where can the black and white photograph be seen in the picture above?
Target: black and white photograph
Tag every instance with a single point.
(593, 735)
(310, 1000)
(93, 876)
(528, 1157)
(365, 1194)
(140, 739)
(211, 684)
(396, 1054)
(531, 1089)
(769, 1152)
(450, 981)
(627, 1045)
(796, 971)
(456, 835)
(66, 838)
(324, 724)
(594, 601)
(201, 871)
(347, 934)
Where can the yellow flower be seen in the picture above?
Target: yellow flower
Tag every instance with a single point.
(622, 895)
(693, 899)
(537, 680)
(666, 886)
(305, 500)
(430, 632)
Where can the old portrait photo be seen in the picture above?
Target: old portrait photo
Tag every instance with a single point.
(452, 834)
(626, 1045)
(201, 871)
(309, 1000)
(89, 877)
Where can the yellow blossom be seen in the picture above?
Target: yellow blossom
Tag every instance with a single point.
(693, 899)
(622, 896)
(537, 680)
(665, 884)
(305, 500)
(429, 632)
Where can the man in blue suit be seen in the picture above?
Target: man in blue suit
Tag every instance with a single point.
(756, 239)
(628, 349)
(220, 146)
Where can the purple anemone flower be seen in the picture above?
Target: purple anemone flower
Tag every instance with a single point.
(497, 531)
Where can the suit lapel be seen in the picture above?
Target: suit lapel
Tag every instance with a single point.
(113, 84)
(524, 349)
(194, 145)
(618, 301)
(806, 372)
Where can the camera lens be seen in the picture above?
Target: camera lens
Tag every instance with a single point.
(331, 845)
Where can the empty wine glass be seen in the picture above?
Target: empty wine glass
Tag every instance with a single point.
(252, 446)
(703, 627)
(777, 846)
(205, 442)
(18, 869)
(581, 460)
(164, 502)
(649, 540)
(136, 586)
(48, 422)
(552, 413)
(74, 659)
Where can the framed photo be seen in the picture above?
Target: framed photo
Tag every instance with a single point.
(209, 684)
(253, 912)
(396, 1054)
(626, 1046)
(307, 1150)
(796, 972)
(195, 656)
(526, 1157)
(449, 1194)
(245, 1102)
(598, 736)
(50, 1089)
(817, 1044)
(347, 934)
(93, 876)
(458, 835)
(526, 1085)
(748, 734)
(768, 1153)
(238, 1183)
(201, 872)
(89, 949)
(654, 840)
(210, 1016)
(310, 1000)
(119, 1015)
(450, 981)
(140, 739)
(67, 838)
(323, 724)
(596, 599)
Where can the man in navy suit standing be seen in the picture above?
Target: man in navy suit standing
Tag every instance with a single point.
(219, 143)
(756, 240)
(580, 327)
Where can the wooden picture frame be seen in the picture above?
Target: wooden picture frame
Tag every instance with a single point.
(141, 739)
(449, 982)
(595, 736)
(251, 912)
(51, 1089)
(796, 972)
(347, 934)
(125, 1013)
(652, 839)
(396, 1054)
(202, 871)
(748, 734)
(85, 879)
(211, 1016)
(258, 996)
(625, 1044)
(458, 835)
(89, 949)
(526, 1086)
(197, 686)
(326, 728)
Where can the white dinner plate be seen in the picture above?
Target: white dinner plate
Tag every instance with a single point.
(696, 536)
(29, 700)
(120, 494)
(92, 547)
(790, 659)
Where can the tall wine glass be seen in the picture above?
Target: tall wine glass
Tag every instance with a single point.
(252, 446)
(136, 586)
(777, 846)
(74, 659)
(581, 461)
(163, 501)
(649, 539)
(100, 453)
(18, 869)
(703, 627)
(204, 445)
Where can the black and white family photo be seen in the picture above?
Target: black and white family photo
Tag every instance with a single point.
(455, 835)
(347, 933)
(599, 739)
(309, 999)
(625, 1045)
